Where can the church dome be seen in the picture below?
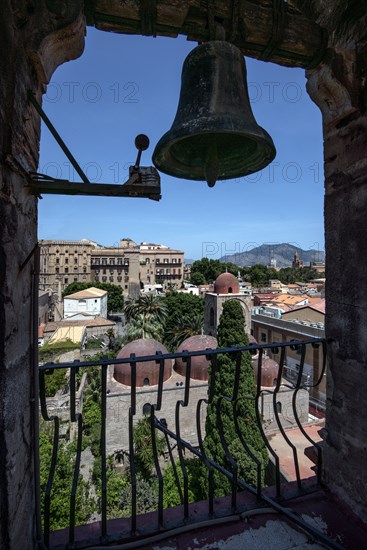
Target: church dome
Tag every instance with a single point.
(226, 283)
(199, 364)
(147, 373)
(269, 371)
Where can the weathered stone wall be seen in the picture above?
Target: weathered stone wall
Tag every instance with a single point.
(338, 86)
(32, 44)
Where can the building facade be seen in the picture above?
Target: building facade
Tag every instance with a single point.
(92, 301)
(64, 262)
(268, 330)
(128, 265)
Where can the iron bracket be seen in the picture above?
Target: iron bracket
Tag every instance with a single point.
(144, 181)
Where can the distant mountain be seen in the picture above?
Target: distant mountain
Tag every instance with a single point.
(282, 253)
(188, 261)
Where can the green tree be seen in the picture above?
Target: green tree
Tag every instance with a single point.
(173, 484)
(144, 326)
(184, 328)
(181, 306)
(197, 278)
(207, 270)
(62, 484)
(148, 305)
(115, 299)
(231, 333)
(144, 458)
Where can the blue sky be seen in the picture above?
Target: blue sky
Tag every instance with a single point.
(125, 85)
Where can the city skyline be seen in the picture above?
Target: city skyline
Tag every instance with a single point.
(99, 110)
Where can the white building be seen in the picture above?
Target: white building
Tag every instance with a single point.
(92, 301)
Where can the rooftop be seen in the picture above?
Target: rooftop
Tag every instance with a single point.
(91, 292)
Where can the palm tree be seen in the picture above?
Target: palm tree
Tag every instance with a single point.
(144, 326)
(146, 304)
(184, 328)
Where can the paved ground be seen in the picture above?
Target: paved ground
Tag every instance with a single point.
(285, 453)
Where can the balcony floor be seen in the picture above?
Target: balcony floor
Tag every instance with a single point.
(272, 531)
(254, 529)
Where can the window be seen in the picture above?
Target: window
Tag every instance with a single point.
(97, 261)
(157, 261)
(126, 261)
(66, 260)
(66, 280)
(119, 261)
(126, 287)
(111, 278)
(148, 260)
(75, 260)
(165, 260)
(66, 270)
(75, 279)
(230, 291)
(84, 270)
(146, 383)
(263, 337)
(112, 261)
(168, 272)
(104, 261)
(278, 405)
(104, 271)
(111, 271)
(57, 260)
(75, 269)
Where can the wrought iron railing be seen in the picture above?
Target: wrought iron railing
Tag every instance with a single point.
(177, 443)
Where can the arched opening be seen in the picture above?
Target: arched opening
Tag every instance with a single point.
(146, 382)
(146, 409)
(211, 317)
(230, 291)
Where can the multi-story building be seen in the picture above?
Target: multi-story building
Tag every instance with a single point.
(302, 323)
(128, 265)
(161, 264)
(64, 262)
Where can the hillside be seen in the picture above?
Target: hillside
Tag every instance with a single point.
(282, 253)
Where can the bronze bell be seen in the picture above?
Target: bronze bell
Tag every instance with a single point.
(214, 135)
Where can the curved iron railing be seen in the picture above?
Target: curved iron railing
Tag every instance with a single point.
(178, 444)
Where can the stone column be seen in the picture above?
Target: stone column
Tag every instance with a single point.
(338, 87)
(34, 40)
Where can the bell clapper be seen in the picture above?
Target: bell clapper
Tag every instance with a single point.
(212, 166)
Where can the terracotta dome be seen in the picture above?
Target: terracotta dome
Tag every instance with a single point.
(226, 283)
(199, 365)
(252, 340)
(269, 371)
(147, 373)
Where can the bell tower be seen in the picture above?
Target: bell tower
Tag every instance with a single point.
(226, 287)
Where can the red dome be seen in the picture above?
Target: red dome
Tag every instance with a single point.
(269, 371)
(226, 283)
(147, 373)
(199, 364)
